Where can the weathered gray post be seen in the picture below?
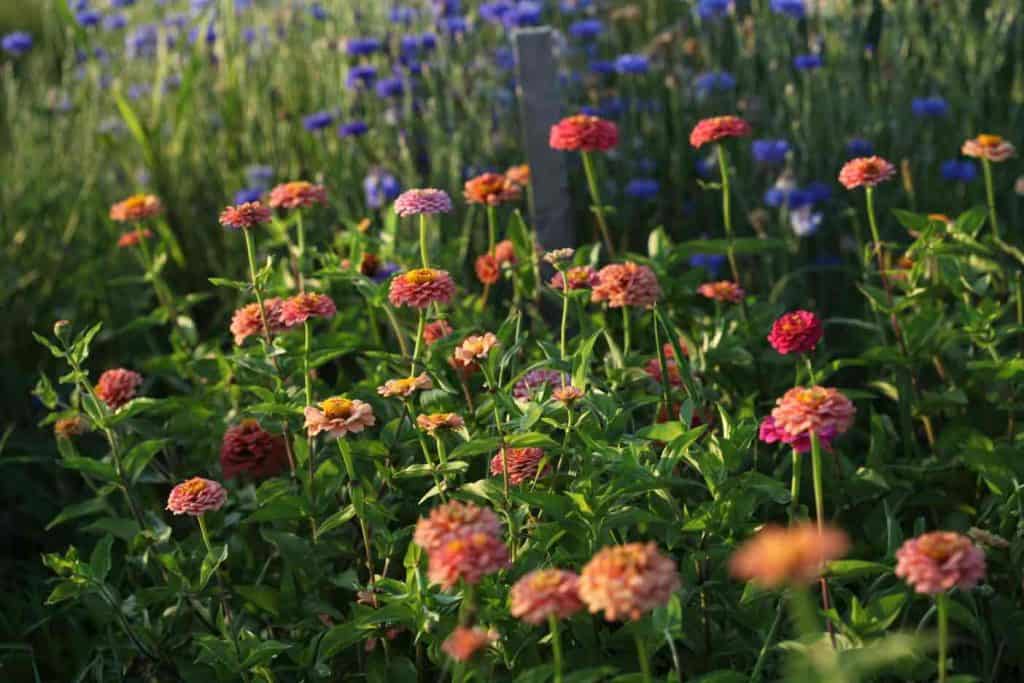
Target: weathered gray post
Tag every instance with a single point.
(540, 108)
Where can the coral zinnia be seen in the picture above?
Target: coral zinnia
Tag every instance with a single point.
(435, 421)
(626, 284)
(465, 642)
(523, 464)
(296, 194)
(301, 307)
(245, 216)
(520, 175)
(406, 386)
(990, 147)
(567, 394)
(821, 410)
(936, 562)
(248, 449)
(777, 556)
(491, 189)
(625, 581)
(196, 496)
(424, 201)
(769, 432)
(724, 291)
(865, 172)
(436, 331)
(796, 332)
(454, 520)
(475, 347)
(136, 208)
(718, 128)
(339, 416)
(544, 593)
(133, 237)
(468, 558)
(421, 287)
(247, 320)
(116, 387)
(487, 269)
(584, 133)
(505, 252)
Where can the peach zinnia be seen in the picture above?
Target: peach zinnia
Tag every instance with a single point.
(938, 561)
(133, 237)
(626, 284)
(297, 194)
(136, 208)
(476, 347)
(545, 593)
(723, 291)
(245, 216)
(433, 422)
(247, 320)
(583, 133)
(467, 558)
(196, 497)
(777, 556)
(865, 172)
(454, 520)
(523, 464)
(421, 287)
(301, 307)
(796, 332)
(520, 175)
(425, 201)
(718, 128)
(625, 581)
(989, 147)
(118, 386)
(339, 416)
(567, 395)
(465, 642)
(491, 189)
(818, 410)
(405, 387)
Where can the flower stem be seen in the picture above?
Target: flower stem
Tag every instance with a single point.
(990, 196)
(723, 169)
(305, 363)
(794, 487)
(492, 228)
(350, 470)
(556, 646)
(419, 341)
(942, 608)
(626, 336)
(204, 533)
(565, 310)
(598, 208)
(819, 512)
(423, 240)
(641, 653)
(300, 228)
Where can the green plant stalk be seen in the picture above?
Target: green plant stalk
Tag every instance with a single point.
(163, 293)
(300, 229)
(990, 196)
(755, 675)
(308, 380)
(723, 169)
(494, 388)
(942, 610)
(794, 486)
(819, 513)
(204, 532)
(642, 656)
(810, 370)
(598, 207)
(565, 311)
(350, 470)
(556, 646)
(626, 332)
(492, 228)
(397, 330)
(433, 468)
(665, 389)
(423, 241)
(419, 340)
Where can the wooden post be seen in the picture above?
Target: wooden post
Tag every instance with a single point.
(540, 107)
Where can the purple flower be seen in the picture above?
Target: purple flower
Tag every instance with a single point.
(536, 381)
(16, 43)
(770, 152)
(362, 46)
(586, 29)
(959, 170)
(317, 121)
(361, 75)
(353, 129)
(632, 64)
(390, 87)
(642, 188)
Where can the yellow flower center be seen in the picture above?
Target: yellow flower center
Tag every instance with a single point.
(545, 580)
(813, 397)
(939, 547)
(421, 276)
(336, 407)
(194, 486)
(988, 140)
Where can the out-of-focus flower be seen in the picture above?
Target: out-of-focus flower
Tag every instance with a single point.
(16, 43)
(353, 129)
(467, 558)
(536, 381)
(807, 62)
(465, 642)
(390, 87)
(297, 194)
(858, 147)
(133, 237)
(69, 427)
(519, 175)
(487, 269)
(405, 387)
(714, 81)
(712, 263)
(424, 201)
(584, 133)
(453, 520)
(476, 347)
(632, 64)
(778, 556)
(556, 256)
(821, 410)
(865, 172)
(318, 121)
(939, 561)
(771, 433)
(586, 29)
(770, 152)
(792, 8)
(804, 221)
(421, 287)
(990, 147)
(714, 9)
(436, 331)
(380, 187)
(117, 386)
(339, 416)
(505, 252)
(491, 189)
(959, 170)
(248, 449)
(718, 128)
(929, 107)
(724, 291)
(653, 367)
(359, 47)
(626, 284)
(244, 216)
(136, 208)
(545, 593)
(1018, 186)
(626, 581)
(987, 538)
(523, 464)
(435, 421)
(301, 307)
(642, 188)
(196, 496)
(579, 277)
(247, 321)
(796, 332)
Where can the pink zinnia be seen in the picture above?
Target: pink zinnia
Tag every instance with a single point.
(248, 449)
(454, 520)
(770, 433)
(196, 496)
(723, 291)
(136, 208)
(465, 642)
(244, 216)
(133, 237)
(247, 320)
(301, 307)
(545, 593)
(990, 147)
(796, 332)
(626, 581)
(475, 347)
(821, 410)
(299, 193)
(468, 558)
(339, 416)
(579, 277)
(865, 172)
(425, 201)
(583, 133)
(718, 128)
(421, 287)
(116, 387)
(626, 284)
(436, 331)
(938, 561)
(523, 464)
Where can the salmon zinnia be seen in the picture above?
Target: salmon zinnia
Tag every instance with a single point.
(626, 581)
(939, 561)
(491, 189)
(453, 520)
(339, 416)
(247, 320)
(301, 307)
(584, 133)
(467, 558)
(523, 464)
(989, 147)
(626, 284)
(819, 410)
(245, 216)
(723, 291)
(297, 194)
(718, 128)
(421, 287)
(545, 593)
(777, 556)
(866, 172)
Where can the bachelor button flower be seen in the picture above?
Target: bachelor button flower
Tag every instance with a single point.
(244, 216)
(425, 201)
(939, 561)
(492, 189)
(583, 133)
(770, 152)
(361, 75)
(523, 465)
(586, 29)
(353, 129)
(712, 263)
(792, 8)
(380, 187)
(866, 172)
(579, 277)
(16, 43)
(435, 421)
(468, 558)
(136, 208)
(117, 387)
(807, 62)
(247, 321)
(296, 194)
(133, 237)
(390, 87)
(196, 497)
(248, 449)
(358, 47)
(339, 416)
(475, 347)
(626, 284)
(523, 13)
(421, 287)
(301, 307)
(778, 556)
(723, 291)
(493, 12)
(929, 107)
(405, 387)
(88, 18)
(642, 188)
(535, 381)
(632, 64)
(545, 593)
(959, 170)
(464, 642)
(436, 331)
(713, 9)
(625, 581)
(454, 520)
(990, 147)
(821, 410)
(317, 121)
(718, 128)
(796, 332)
(858, 147)
(714, 81)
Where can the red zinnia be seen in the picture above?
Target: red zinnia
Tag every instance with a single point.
(248, 449)
(865, 172)
(436, 331)
(583, 133)
(244, 216)
(116, 387)
(301, 307)
(796, 332)
(718, 128)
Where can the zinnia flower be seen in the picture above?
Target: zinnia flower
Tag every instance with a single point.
(248, 449)
(68, 427)
(580, 277)
(468, 558)
(421, 287)
(990, 147)
(454, 520)
(405, 387)
(536, 381)
(465, 642)
(821, 410)
(938, 561)
(247, 320)
(625, 581)
(475, 347)
(436, 331)
(245, 216)
(297, 194)
(653, 367)
(136, 208)
(724, 291)
(718, 128)
(567, 394)
(544, 593)
(770, 433)
(339, 416)
(523, 464)
(584, 133)
(520, 175)
(796, 332)
(491, 189)
(505, 252)
(777, 556)
(865, 172)
(196, 496)
(133, 237)
(487, 269)
(301, 307)
(435, 421)
(116, 387)
(626, 284)
(425, 201)
(556, 256)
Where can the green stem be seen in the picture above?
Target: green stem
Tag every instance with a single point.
(990, 196)
(942, 607)
(665, 391)
(419, 340)
(819, 494)
(556, 646)
(397, 329)
(305, 363)
(350, 470)
(626, 336)
(204, 533)
(598, 208)
(641, 653)
(492, 228)
(423, 240)
(300, 228)
(794, 487)
(810, 370)
(565, 310)
(723, 169)
(755, 676)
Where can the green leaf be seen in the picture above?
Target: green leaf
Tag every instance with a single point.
(283, 507)
(136, 460)
(855, 569)
(65, 590)
(263, 652)
(339, 518)
(531, 440)
(665, 432)
(89, 507)
(95, 468)
(265, 598)
(54, 350)
(231, 284)
(99, 561)
(214, 558)
(475, 447)
(45, 392)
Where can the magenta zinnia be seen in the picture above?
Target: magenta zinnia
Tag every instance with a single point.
(796, 332)
(425, 201)
(421, 287)
(196, 496)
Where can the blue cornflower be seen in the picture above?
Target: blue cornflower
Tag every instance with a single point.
(859, 147)
(384, 272)
(138, 90)
(573, 6)
(401, 15)
(120, 4)
(454, 26)
(712, 263)
(807, 62)
(361, 74)
(714, 81)
(602, 66)
(428, 41)
(16, 43)
(818, 192)
(88, 17)
(792, 8)
(525, 13)
(317, 121)
(210, 35)
(494, 12)
(380, 187)
(390, 87)
(353, 129)
(446, 8)
(929, 107)
(505, 58)
(632, 64)
(249, 194)
(770, 151)
(317, 11)
(642, 188)
(115, 22)
(259, 176)
(959, 170)
(362, 46)
(713, 9)
(586, 29)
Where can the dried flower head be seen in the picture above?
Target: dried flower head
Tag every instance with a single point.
(465, 642)
(778, 556)
(724, 291)
(796, 332)
(821, 410)
(545, 593)
(939, 561)
(467, 558)
(866, 172)
(301, 307)
(249, 450)
(433, 422)
(453, 520)
(523, 464)
(133, 237)
(247, 320)
(584, 133)
(69, 427)
(436, 331)
(245, 216)
(421, 287)
(297, 194)
(339, 416)
(405, 387)
(136, 208)
(718, 128)
(196, 496)
(535, 381)
(491, 189)
(424, 201)
(990, 147)
(118, 386)
(626, 284)
(626, 581)
(475, 347)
